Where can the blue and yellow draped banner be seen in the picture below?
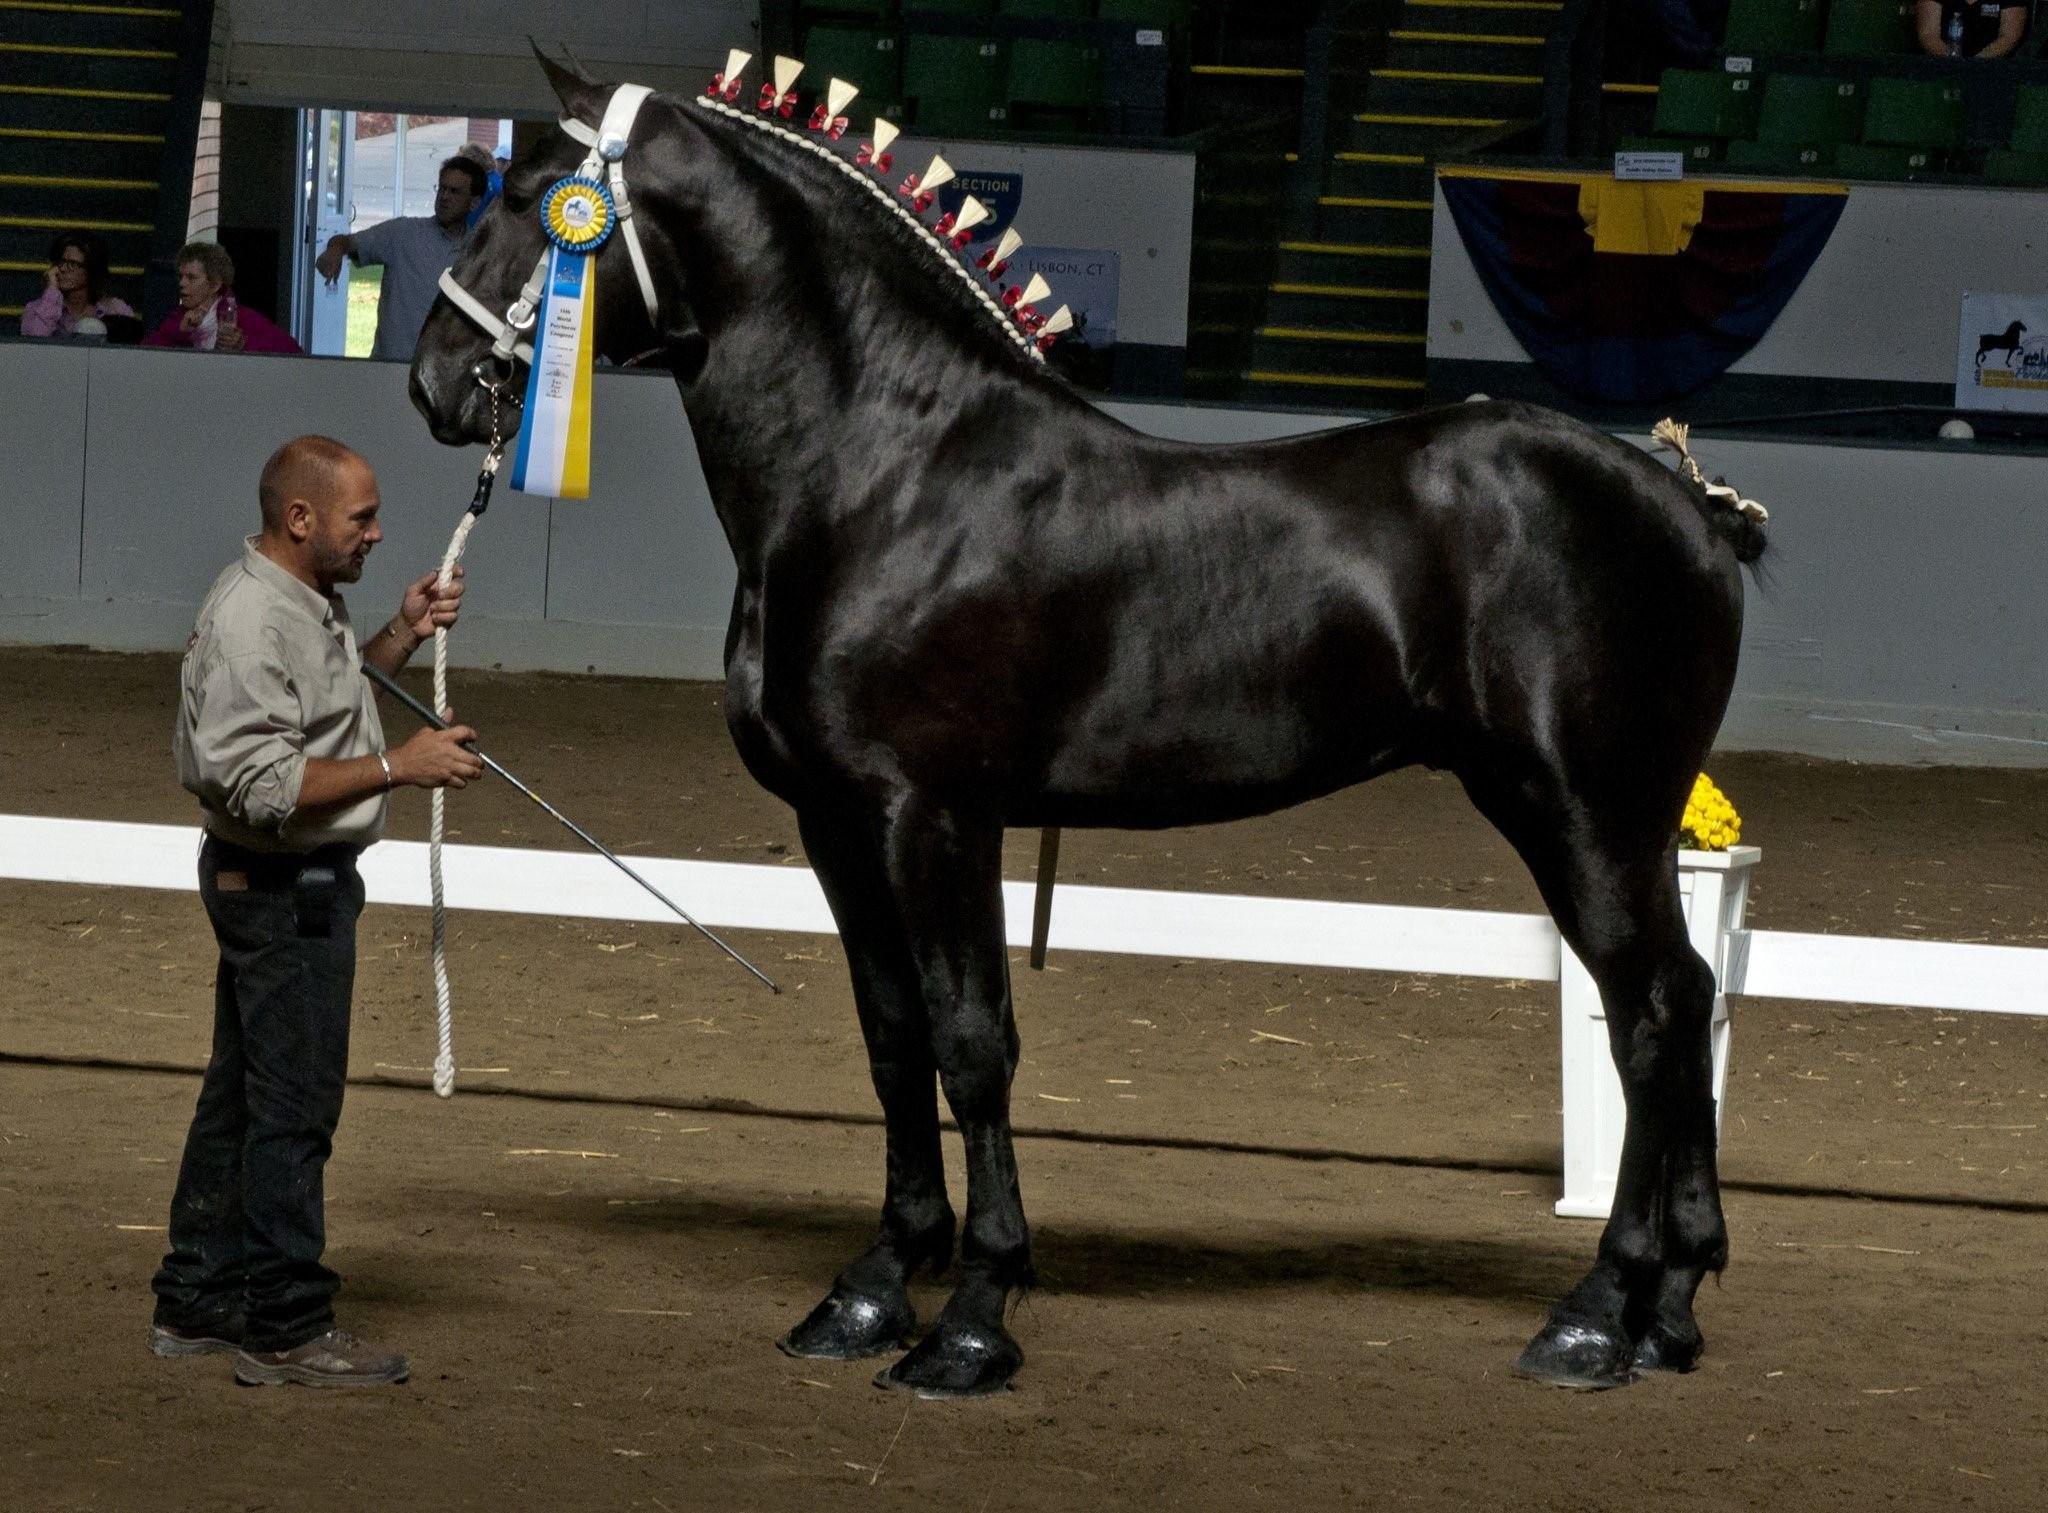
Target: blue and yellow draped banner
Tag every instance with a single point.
(1632, 292)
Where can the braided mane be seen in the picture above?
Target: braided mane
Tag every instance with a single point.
(973, 280)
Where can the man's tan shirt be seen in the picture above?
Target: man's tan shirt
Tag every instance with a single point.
(271, 677)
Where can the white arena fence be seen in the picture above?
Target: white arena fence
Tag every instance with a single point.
(1206, 926)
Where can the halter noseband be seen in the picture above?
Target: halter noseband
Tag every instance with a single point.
(607, 145)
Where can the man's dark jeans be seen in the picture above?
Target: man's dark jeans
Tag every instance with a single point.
(248, 1220)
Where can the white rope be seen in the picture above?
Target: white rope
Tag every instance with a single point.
(444, 1013)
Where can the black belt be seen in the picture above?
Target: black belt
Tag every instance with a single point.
(312, 878)
(280, 864)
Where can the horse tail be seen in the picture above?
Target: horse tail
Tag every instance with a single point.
(1736, 520)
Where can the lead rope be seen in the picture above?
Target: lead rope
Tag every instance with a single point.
(444, 1013)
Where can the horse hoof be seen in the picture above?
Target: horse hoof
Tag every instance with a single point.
(850, 1326)
(1574, 1355)
(956, 1361)
(1661, 1350)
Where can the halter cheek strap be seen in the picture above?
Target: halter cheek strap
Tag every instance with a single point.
(607, 145)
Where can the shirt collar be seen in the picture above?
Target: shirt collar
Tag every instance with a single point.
(322, 607)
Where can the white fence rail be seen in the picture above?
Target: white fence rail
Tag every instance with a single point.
(1132, 921)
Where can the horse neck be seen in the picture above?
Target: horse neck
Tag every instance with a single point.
(833, 352)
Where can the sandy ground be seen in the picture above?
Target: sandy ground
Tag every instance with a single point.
(1275, 1271)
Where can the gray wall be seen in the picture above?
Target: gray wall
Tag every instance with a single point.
(1881, 301)
(467, 59)
(1903, 619)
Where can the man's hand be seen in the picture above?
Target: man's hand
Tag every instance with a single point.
(328, 263)
(426, 605)
(229, 338)
(436, 758)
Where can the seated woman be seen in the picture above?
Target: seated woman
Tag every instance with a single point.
(75, 288)
(1970, 28)
(208, 316)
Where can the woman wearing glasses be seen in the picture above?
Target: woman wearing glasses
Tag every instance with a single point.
(76, 289)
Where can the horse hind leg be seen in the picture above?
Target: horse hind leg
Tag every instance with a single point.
(868, 1311)
(1618, 907)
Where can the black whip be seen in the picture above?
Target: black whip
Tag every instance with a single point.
(391, 686)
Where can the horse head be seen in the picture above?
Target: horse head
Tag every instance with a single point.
(788, 274)
(455, 365)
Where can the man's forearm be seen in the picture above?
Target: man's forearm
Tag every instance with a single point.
(391, 648)
(329, 783)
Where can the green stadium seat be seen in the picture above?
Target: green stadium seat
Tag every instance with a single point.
(1772, 26)
(1924, 113)
(1803, 111)
(1863, 160)
(879, 9)
(957, 83)
(1162, 15)
(1049, 10)
(1697, 150)
(2030, 119)
(1061, 75)
(1693, 104)
(869, 59)
(1870, 28)
(952, 7)
(1779, 157)
(2002, 165)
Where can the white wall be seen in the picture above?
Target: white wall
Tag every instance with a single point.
(1137, 203)
(1903, 620)
(1881, 302)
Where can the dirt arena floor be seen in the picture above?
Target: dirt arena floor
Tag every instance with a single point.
(1292, 1226)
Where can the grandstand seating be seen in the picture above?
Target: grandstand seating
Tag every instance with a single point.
(1773, 26)
(869, 59)
(1841, 86)
(1869, 28)
(997, 67)
(98, 102)
(2024, 158)
(955, 84)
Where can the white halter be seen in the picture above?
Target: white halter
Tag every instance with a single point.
(607, 156)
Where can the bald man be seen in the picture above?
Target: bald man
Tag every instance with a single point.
(278, 738)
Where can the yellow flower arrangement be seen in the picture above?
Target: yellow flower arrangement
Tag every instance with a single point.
(1710, 823)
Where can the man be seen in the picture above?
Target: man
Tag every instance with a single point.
(415, 251)
(279, 739)
(1970, 28)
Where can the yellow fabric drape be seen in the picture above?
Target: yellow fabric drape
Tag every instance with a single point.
(1652, 218)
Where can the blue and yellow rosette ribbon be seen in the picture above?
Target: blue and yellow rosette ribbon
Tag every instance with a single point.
(553, 456)
(578, 214)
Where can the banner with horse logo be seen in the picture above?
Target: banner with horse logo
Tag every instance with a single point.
(2002, 353)
(1631, 292)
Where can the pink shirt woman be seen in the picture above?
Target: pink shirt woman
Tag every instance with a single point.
(73, 289)
(208, 316)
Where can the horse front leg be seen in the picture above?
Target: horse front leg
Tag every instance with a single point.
(868, 1311)
(946, 872)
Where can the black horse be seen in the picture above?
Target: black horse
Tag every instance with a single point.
(2009, 343)
(969, 600)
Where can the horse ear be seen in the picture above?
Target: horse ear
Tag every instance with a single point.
(582, 99)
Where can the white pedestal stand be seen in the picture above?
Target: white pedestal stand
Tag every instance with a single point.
(1714, 886)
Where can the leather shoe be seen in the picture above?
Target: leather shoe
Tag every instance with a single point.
(172, 1340)
(336, 1359)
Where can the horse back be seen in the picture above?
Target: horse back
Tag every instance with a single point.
(1100, 627)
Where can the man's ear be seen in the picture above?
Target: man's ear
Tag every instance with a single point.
(298, 519)
(582, 99)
